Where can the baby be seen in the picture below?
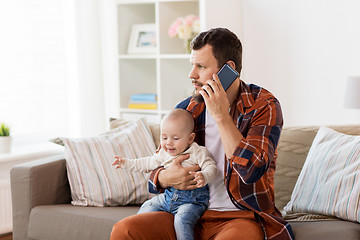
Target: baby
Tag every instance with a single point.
(177, 137)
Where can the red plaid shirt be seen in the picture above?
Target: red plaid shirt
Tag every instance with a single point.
(249, 175)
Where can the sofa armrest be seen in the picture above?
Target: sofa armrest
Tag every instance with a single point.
(41, 182)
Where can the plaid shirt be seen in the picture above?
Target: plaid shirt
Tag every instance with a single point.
(249, 175)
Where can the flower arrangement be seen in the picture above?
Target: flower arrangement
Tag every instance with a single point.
(185, 28)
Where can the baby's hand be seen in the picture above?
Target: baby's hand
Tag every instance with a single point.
(118, 162)
(200, 180)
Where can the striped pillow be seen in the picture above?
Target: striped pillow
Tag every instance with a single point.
(329, 182)
(94, 181)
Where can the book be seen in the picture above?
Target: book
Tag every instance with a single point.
(143, 97)
(142, 105)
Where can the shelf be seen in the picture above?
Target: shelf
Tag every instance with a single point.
(137, 56)
(151, 1)
(175, 56)
(132, 110)
(154, 56)
(134, 1)
(178, 1)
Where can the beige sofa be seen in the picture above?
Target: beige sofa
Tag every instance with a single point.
(42, 210)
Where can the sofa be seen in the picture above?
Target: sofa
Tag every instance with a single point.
(42, 206)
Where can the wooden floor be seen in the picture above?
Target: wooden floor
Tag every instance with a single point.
(6, 236)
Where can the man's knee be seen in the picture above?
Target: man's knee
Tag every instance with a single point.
(154, 225)
(241, 229)
(122, 229)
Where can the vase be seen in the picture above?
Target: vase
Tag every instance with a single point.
(5, 144)
(187, 45)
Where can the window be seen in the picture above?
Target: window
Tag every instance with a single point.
(33, 67)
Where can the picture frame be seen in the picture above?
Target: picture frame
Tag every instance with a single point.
(142, 39)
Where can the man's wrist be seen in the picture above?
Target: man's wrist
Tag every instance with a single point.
(161, 178)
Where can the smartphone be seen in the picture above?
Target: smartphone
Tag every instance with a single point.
(227, 76)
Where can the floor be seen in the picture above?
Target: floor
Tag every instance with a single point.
(6, 236)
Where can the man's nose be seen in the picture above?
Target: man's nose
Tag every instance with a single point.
(193, 74)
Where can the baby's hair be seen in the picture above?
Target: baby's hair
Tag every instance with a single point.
(182, 114)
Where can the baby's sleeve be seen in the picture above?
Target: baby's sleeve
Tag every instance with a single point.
(207, 164)
(144, 164)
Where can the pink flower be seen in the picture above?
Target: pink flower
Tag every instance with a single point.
(184, 27)
(190, 19)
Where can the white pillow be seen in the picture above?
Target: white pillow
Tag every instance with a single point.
(329, 182)
(94, 181)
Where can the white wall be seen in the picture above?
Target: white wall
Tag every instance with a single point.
(303, 51)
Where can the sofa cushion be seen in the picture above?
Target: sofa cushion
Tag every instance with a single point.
(328, 183)
(94, 181)
(329, 230)
(154, 128)
(65, 221)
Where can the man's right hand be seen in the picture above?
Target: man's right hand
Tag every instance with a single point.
(177, 176)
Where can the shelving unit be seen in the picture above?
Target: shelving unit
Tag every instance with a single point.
(164, 72)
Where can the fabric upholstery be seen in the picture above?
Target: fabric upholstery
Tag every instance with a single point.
(59, 222)
(329, 230)
(154, 128)
(40, 182)
(329, 182)
(294, 145)
(94, 181)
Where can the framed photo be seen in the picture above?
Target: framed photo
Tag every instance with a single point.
(142, 39)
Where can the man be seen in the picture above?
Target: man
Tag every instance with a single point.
(241, 128)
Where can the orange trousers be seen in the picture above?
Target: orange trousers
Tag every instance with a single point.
(213, 225)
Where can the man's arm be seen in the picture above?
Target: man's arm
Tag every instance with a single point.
(255, 153)
(176, 176)
(251, 156)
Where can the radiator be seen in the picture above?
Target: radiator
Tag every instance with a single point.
(5, 207)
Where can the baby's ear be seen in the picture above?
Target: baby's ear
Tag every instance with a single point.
(192, 137)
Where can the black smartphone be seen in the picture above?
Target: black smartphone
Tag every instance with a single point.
(227, 76)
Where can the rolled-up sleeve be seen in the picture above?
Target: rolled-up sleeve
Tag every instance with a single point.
(154, 186)
(256, 150)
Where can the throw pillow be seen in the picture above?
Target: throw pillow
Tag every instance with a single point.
(329, 182)
(94, 181)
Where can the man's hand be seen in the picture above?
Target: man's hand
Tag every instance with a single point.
(177, 176)
(215, 98)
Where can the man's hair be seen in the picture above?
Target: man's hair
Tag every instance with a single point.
(225, 46)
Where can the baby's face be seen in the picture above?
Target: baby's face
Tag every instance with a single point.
(175, 138)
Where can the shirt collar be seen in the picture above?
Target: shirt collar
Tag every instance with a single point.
(195, 108)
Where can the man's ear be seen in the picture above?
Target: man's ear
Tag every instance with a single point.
(192, 137)
(231, 63)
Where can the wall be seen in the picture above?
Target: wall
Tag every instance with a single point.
(303, 51)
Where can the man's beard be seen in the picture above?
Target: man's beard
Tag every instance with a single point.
(197, 97)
